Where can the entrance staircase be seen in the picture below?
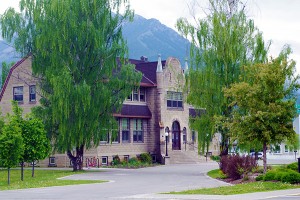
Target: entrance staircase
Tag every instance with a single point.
(185, 157)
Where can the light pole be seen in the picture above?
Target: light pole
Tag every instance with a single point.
(166, 137)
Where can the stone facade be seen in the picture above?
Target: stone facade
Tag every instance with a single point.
(156, 108)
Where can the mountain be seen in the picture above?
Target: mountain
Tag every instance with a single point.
(145, 37)
(148, 37)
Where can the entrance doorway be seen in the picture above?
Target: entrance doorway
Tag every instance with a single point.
(175, 136)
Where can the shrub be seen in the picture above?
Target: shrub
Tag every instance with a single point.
(278, 176)
(235, 166)
(270, 175)
(260, 178)
(215, 158)
(291, 177)
(293, 166)
(146, 158)
(116, 160)
(133, 161)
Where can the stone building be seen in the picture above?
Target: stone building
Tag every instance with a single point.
(156, 108)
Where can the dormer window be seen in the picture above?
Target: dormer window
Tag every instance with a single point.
(138, 94)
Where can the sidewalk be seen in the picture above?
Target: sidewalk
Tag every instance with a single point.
(249, 196)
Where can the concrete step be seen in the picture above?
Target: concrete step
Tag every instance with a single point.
(185, 157)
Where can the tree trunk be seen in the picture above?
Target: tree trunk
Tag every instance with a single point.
(77, 161)
(22, 171)
(265, 157)
(8, 176)
(32, 172)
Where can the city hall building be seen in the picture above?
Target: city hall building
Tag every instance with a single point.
(150, 116)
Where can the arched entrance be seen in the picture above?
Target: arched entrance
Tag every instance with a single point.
(175, 136)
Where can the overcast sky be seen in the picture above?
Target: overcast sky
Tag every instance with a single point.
(279, 20)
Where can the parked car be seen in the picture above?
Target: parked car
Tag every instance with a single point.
(259, 155)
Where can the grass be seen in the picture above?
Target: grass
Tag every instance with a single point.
(241, 188)
(238, 188)
(42, 178)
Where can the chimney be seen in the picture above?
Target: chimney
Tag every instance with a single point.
(159, 65)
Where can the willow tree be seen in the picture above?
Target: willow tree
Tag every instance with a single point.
(79, 54)
(222, 43)
(265, 103)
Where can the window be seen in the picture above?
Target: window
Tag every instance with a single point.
(32, 93)
(104, 137)
(18, 93)
(104, 160)
(174, 99)
(115, 136)
(126, 158)
(142, 95)
(52, 162)
(184, 135)
(137, 130)
(138, 94)
(125, 130)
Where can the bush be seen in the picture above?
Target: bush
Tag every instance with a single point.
(215, 158)
(146, 158)
(270, 175)
(235, 166)
(278, 176)
(260, 178)
(291, 177)
(133, 162)
(116, 160)
(293, 166)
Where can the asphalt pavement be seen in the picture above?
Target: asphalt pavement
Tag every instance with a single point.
(145, 183)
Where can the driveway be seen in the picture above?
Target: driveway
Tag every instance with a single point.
(126, 183)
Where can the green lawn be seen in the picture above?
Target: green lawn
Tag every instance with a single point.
(42, 178)
(239, 188)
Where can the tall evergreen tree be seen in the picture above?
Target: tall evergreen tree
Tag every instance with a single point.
(222, 43)
(74, 47)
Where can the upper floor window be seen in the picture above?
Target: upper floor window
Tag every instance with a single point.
(32, 93)
(104, 137)
(18, 93)
(125, 130)
(174, 99)
(138, 94)
(138, 130)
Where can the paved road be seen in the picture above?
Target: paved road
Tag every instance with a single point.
(144, 183)
(126, 182)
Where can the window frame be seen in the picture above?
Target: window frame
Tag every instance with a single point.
(125, 130)
(30, 94)
(21, 94)
(138, 131)
(174, 100)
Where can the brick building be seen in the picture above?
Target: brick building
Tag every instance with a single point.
(157, 107)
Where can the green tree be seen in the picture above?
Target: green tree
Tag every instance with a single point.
(36, 144)
(11, 142)
(264, 103)
(222, 43)
(5, 70)
(75, 46)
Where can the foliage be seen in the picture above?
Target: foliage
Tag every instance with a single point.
(133, 161)
(215, 158)
(236, 167)
(270, 175)
(43, 178)
(291, 177)
(75, 46)
(293, 166)
(116, 160)
(5, 70)
(222, 43)
(264, 102)
(36, 144)
(145, 158)
(260, 177)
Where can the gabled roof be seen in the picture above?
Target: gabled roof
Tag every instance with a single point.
(148, 69)
(9, 75)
